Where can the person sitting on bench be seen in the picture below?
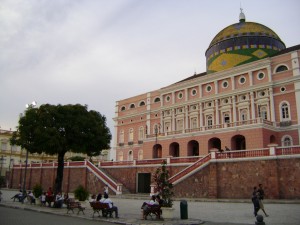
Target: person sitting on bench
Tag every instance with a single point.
(110, 204)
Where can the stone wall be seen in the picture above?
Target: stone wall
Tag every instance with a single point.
(220, 179)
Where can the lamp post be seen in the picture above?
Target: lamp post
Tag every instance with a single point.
(32, 105)
(10, 159)
(1, 159)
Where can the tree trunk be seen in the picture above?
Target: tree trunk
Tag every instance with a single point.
(59, 172)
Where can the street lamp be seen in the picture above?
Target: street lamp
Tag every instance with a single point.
(2, 160)
(32, 105)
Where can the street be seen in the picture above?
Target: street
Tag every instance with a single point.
(11, 216)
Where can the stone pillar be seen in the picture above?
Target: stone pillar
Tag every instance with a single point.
(119, 189)
(272, 149)
(168, 159)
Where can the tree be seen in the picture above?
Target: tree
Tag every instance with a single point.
(57, 129)
(163, 186)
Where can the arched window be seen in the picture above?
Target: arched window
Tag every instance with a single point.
(123, 108)
(140, 155)
(179, 124)
(130, 155)
(120, 156)
(285, 111)
(121, 137)
(209, 121)
(244, 115)
(194, 122)
(142, 103)
(262, 112)
(132, 106)
(157, 99)
(281, 68)
(286, 141)
(141, 133)
(226, 118)
(130, 137)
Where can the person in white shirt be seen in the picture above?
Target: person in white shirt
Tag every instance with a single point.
(110, 204)
(58, 200)
(106, 189)
(31, 197)
(43, 199)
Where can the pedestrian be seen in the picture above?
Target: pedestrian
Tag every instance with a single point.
(261, 196)
(43, 199)
(255, 200)
(106, 189)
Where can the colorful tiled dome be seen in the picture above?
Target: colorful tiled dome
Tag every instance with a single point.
(241, 43)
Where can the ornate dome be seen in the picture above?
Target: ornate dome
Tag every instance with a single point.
(241, 43)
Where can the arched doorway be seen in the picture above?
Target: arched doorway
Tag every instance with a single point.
(157, 151)
(193, 148)
(238, 142)
(214, 143)
(174, 149)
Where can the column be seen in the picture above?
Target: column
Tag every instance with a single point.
(201, 114)
(250, 74)
(217, 112)
(253, 116)
(272, 106)
(234, 109)
(186, 111)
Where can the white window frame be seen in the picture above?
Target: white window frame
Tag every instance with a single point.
(285, 111)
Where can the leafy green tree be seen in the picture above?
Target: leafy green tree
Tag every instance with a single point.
(57, 129)
(163, 186)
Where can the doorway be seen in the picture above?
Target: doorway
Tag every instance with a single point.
(144, 181)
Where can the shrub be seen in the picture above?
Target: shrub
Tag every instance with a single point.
(37, 190)
(76, 158)
(81, 193)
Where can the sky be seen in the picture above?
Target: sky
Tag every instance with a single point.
(96, 52)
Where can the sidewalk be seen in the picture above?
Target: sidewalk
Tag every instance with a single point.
(199, 211)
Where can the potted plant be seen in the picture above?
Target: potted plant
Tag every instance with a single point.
(37, 191)
(164, 189)
(81, 193)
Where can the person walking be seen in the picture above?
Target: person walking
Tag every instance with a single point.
(255, 201)
(261, 195)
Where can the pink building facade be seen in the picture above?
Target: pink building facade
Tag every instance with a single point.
(252, 103)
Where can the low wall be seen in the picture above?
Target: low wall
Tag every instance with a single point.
(226, 179)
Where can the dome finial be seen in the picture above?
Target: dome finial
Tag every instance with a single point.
(242, 17)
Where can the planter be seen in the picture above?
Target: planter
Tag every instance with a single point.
(167, 212)
(38, 201)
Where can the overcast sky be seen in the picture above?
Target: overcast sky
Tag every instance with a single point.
(96, 52)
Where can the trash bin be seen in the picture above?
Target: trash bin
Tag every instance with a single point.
(183, 210)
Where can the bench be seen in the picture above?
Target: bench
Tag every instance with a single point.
(99, 206)
(152, 210)
(71, 205)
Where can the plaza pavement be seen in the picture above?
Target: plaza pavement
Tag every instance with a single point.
(200, 211)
